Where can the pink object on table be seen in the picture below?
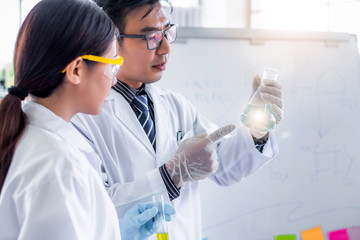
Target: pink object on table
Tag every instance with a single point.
(340, 234)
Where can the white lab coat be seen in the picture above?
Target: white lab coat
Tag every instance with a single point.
(132, 165)
(52, 190)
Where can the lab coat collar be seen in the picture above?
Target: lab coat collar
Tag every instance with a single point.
(125, 114)
(42, 117)
(161, 111)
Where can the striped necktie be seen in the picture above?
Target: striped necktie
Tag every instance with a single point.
(141, 104)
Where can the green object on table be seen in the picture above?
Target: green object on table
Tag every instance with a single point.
(285, 237)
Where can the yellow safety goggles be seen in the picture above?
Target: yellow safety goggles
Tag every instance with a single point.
(117, 62)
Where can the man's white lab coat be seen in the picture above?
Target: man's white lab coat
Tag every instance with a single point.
(131, 163)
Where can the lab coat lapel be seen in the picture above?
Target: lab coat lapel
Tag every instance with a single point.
(126, 116)
(161, 121)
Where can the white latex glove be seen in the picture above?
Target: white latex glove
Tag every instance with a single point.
(271, 93)
(196, 157)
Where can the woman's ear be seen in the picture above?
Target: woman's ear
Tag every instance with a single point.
(74, 70)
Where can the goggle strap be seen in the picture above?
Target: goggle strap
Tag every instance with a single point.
(118, 61)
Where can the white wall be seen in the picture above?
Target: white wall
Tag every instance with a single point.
(224, 13)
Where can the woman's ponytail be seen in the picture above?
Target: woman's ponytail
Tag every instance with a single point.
(12, 124)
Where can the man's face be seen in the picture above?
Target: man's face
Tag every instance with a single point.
(140, 64)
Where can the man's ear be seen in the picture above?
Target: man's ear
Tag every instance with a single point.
(73, 71)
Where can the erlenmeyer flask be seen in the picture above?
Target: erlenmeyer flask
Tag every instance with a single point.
(258, 115)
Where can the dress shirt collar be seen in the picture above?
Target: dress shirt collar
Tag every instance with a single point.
(128, 92)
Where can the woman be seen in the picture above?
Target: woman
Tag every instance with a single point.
(65, 59)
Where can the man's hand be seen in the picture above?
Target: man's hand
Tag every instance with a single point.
(196, 157)
(271, 93)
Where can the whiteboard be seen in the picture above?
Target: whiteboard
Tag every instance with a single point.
(315, 180)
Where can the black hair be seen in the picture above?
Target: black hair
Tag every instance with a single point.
(117, 10)
(54, 33)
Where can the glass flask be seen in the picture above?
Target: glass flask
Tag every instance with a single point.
(258, 115)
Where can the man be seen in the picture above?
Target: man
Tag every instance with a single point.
(145, 158)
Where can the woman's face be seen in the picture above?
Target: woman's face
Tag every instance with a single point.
(97, 82)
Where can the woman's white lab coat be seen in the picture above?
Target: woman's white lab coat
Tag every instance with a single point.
(53, 189)
(132, 165)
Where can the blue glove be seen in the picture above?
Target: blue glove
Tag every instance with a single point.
(138, 222)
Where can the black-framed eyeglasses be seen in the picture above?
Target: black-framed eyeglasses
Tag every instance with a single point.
(154, 39)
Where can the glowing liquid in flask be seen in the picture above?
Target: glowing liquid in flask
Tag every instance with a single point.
(258, 115)
(162, 236)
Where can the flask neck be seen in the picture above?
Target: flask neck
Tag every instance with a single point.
(256, 99)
